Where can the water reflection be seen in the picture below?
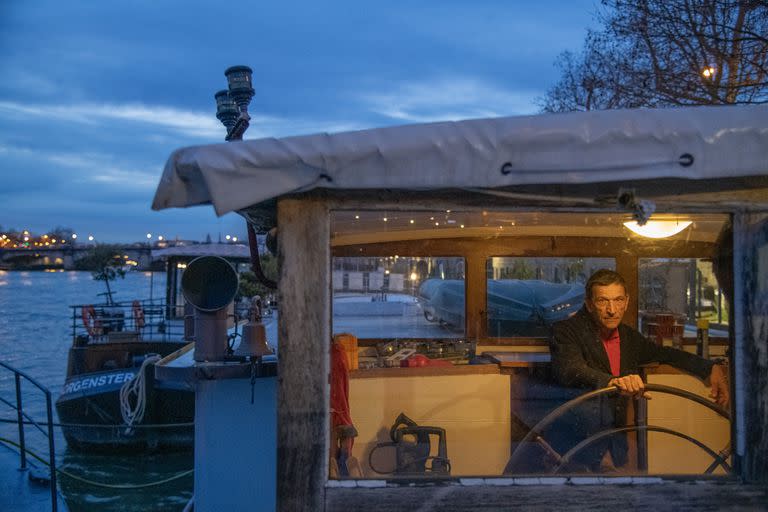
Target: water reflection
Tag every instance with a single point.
(125, 482)
(35, 335)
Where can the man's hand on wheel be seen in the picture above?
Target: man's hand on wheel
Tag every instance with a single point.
(630, 385)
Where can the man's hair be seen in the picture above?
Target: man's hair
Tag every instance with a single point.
(604, 277)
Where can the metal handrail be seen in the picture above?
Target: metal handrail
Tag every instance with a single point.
(18, 374)
(121, 316)
(95, 425)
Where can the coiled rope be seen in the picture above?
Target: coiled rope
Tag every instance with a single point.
(182, 474)
(135, 390)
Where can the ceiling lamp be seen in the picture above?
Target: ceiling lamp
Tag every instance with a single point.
(658, 228)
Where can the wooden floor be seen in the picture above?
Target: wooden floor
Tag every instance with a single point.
(20, 493)
(657, 497)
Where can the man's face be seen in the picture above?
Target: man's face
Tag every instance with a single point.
(607, 305)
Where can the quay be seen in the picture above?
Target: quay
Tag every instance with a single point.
(18, 491)
(66, 257)
(142, 256)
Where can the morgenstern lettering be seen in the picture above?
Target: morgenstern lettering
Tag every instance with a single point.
(98, 381)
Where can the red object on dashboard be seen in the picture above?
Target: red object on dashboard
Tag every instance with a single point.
(421, 360)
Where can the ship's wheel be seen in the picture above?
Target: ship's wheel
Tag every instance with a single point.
(562, 460)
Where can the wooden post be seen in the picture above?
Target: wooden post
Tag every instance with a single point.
(476, 284)
(750, 361)
(303, 354)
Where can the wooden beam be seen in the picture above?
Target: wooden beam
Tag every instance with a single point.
(477, 290)
(687, 495)
(533, 246)
(303, 354)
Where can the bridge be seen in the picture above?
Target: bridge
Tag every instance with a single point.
(64, 257)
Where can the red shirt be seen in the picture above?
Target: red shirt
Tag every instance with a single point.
(612, 346)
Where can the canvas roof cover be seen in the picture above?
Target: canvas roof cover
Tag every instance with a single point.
(583, 147)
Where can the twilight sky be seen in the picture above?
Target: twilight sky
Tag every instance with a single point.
(95, 95)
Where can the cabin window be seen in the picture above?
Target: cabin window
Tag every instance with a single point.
(525, 296)
(445, 317)
(398, 297)
(676, 295)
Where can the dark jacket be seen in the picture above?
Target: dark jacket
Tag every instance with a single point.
(579, 358)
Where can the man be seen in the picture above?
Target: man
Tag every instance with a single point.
(593, 349)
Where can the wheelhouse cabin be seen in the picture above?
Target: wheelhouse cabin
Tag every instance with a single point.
(438, 257)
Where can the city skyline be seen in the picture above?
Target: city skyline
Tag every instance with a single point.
(97, 96)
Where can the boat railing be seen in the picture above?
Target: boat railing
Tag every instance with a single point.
(137, 320)
(22, 416)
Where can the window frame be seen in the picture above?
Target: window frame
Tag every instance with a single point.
(476, 252)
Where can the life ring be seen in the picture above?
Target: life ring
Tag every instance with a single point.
(91, 321)
(138, 314)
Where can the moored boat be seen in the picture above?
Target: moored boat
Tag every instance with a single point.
(110, 399)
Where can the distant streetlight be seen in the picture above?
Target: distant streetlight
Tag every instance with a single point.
(234, 239)
(228, 237)
(74, 236)
(232, 103)
(90, 238)
(708, 72)
(149, 236)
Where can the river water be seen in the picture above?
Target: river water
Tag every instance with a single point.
(35, 335)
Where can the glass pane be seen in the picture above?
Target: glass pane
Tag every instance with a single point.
(527, 295)
(430, 414)
(398, 297)
(681, 304)
(680, 292)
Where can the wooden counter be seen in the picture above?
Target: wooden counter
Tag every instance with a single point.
(500, 360)
(426, 371)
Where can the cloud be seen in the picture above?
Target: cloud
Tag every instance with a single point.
(449, 99)
(23, 80)
(127, 177)
(517, 34)
(186, 123)
(99, 168)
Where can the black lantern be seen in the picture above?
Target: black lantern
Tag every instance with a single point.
(240, 88)
(226, 109)
(232, 104)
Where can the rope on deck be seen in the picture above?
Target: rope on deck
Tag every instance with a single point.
(133, 394)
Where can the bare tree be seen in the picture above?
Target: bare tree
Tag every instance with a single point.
(655, 53)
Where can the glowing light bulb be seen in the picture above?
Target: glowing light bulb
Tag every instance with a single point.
(658, 228)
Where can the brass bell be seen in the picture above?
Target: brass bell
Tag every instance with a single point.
(254, 341)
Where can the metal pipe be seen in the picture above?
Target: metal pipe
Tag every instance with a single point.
(256, 260)
(19, 414)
